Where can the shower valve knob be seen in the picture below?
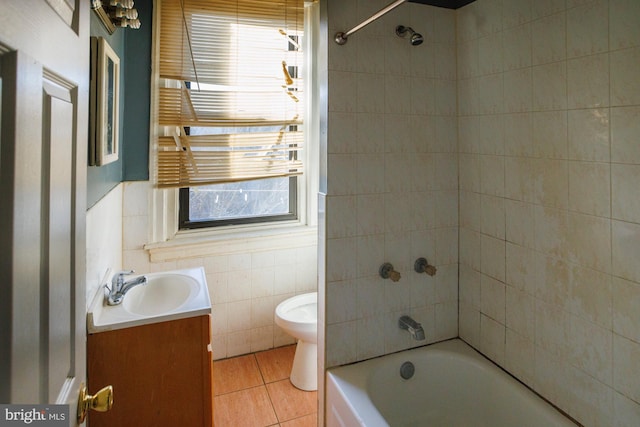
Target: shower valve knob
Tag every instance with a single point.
(422, 266)
(387, 272)
(430, 270)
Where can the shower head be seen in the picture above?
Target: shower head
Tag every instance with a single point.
(415, 39)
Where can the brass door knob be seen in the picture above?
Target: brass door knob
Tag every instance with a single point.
(102, 401)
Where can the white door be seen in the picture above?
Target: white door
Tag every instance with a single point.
(44, 81)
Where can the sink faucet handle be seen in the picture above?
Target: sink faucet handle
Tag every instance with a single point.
(118, 280)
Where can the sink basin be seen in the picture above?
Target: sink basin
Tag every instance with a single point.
(161, 294)
(167, 296)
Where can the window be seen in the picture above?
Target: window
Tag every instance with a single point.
(231, 109)
(269, 199)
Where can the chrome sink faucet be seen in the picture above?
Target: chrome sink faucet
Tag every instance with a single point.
(414, 328)
(119, 286)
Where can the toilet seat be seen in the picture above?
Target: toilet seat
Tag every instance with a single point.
(298, 316)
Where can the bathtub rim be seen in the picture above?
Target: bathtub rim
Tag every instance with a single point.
(356, 380)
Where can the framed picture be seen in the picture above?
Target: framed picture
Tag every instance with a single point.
(104, 103)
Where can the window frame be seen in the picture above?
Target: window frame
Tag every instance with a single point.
(167, 241)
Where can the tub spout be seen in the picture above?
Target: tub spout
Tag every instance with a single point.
(414, 328)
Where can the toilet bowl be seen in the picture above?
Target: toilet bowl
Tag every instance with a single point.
(298, 316)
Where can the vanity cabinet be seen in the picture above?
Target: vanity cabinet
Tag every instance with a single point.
(162, 374)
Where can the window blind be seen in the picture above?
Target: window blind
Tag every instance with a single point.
(231, 98)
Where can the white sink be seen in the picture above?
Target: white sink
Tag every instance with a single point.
(161, 294)
(166, 296)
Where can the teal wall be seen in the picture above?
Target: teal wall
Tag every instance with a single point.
(102, 179)
(134, 49)
(137, 74)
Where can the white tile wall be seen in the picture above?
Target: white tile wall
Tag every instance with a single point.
(393, 195)
(104, 240)
(553, 294)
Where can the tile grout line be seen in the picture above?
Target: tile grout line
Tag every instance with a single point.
(273, 407)
(264, 382)
(239, 390)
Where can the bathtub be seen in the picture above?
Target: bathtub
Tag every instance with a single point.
(452, 385)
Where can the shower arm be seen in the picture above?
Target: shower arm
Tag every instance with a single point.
(341, 38)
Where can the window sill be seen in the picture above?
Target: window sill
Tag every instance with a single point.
(198, 243)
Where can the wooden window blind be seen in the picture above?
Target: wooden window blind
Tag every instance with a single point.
(231, 92)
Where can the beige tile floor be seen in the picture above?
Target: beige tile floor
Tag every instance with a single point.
(254, 391)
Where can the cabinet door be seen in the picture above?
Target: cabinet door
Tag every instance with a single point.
(161, 374)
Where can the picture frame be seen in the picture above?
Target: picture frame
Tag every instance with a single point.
(104, 102)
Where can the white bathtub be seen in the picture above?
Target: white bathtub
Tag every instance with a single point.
(452, 386)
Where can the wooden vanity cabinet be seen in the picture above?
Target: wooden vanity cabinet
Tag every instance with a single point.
(162, 374)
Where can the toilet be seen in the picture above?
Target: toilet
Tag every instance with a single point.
(298, 316)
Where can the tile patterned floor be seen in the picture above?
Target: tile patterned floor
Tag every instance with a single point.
(254, 391)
